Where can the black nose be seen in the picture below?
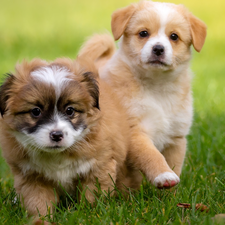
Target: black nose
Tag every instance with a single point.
(56, 136)
(158, 50)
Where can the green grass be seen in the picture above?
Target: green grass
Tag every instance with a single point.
(51, 29)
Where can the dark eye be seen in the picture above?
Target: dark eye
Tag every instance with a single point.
(70, 111)
(35, 112)
(144, 34)
(174, 37)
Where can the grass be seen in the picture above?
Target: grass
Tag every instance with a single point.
(51, 29)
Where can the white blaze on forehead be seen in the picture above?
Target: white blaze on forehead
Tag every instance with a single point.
(54, 75)
(164, 10)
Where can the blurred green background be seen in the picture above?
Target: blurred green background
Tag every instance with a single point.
(53, 28)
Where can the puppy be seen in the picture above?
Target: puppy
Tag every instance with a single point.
(150, 73)
(56, 127)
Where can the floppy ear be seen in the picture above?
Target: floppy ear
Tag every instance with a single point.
(4, 92)
(120, 19)
(198, 32)
(92, 85)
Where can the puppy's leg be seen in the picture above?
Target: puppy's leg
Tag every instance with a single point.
(37, 197)
(90, 190)
(128, 178)
(175, 154)
(144, 155)
(106, 176)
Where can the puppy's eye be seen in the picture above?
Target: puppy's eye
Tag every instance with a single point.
(36, 112)
(174, 37)
(70, 111)
(144, 34)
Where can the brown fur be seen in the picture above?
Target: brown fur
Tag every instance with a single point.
(107, 142)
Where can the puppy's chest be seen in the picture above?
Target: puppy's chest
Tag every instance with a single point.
(58, 169)
(162, 115)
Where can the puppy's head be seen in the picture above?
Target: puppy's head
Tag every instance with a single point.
(49, 106)
(157, 34)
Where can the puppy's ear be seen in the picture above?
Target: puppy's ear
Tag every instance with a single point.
(5, 91)
(198, 32)
(92, 85)
(120, 19)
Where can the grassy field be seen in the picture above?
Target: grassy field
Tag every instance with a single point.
(51, 29)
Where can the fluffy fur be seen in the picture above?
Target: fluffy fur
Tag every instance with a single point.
(150, 73)
(56, 127)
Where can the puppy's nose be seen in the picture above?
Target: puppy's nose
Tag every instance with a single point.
(158, 50)
(56, 136)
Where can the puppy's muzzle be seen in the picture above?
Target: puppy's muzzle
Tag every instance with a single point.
(158, 50)
(56, 136)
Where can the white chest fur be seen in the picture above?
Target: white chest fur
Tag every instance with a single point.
(57, 167)
(163, 114)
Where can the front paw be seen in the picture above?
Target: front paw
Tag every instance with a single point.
(166, 180)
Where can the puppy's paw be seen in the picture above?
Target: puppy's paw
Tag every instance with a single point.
(166, 180)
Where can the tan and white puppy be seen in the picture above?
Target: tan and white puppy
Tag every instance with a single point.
(56, 127)
(150, 73)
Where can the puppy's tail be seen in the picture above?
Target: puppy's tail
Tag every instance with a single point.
(99, 48)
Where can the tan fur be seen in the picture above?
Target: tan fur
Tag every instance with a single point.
(107, 142)
(145, 90)
(120, 19)
(198, 32)
(106, 50)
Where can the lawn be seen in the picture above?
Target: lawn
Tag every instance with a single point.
(51, 29)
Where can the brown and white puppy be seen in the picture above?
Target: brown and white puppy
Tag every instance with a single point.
(150, 73)
(56, 127)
